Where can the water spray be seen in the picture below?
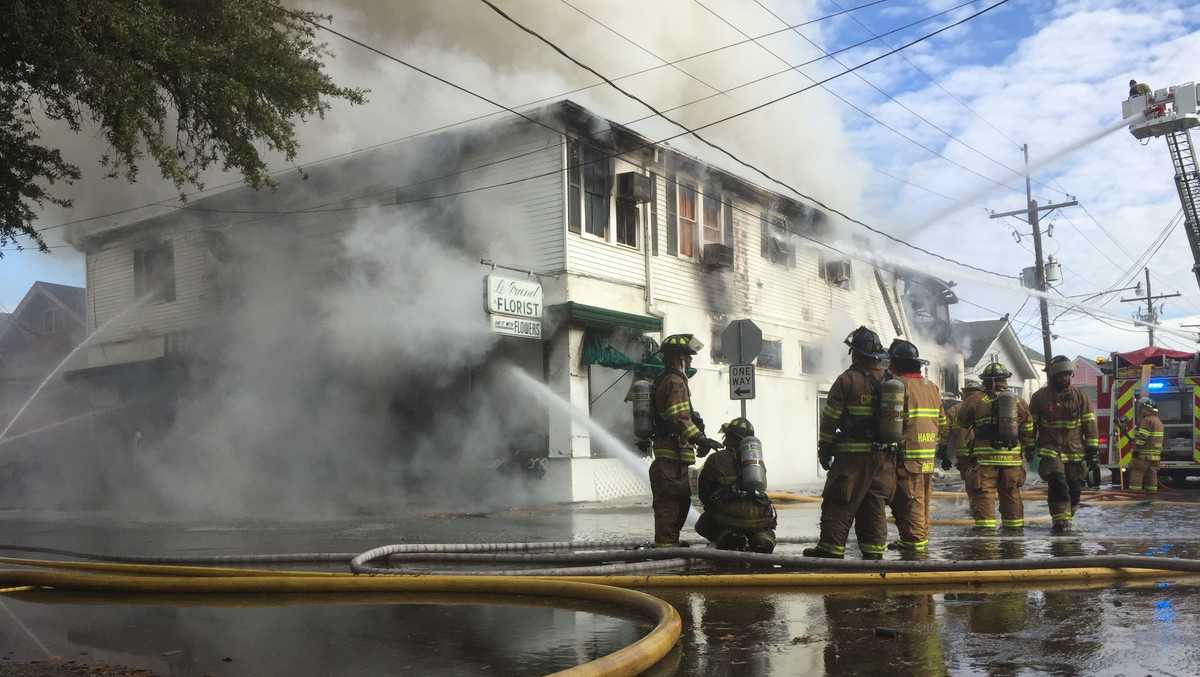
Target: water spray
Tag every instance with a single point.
(613, 446)
(82, 344)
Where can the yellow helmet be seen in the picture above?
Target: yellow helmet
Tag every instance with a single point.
(994, 372)
(739, 427)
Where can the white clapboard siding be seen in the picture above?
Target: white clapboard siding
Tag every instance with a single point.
(522, 223)
(111, 290)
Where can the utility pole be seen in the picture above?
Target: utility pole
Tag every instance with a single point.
(1032, 214)
(1151, 316)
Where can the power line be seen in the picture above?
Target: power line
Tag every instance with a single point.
(693, 131)
(650, 143)
(891, 98)
(443, 127)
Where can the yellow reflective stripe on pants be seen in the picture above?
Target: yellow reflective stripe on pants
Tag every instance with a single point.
(1013, 524)
(687, 457)
(913, 545)
(1061, 517)
(985, 524)
(839, 550)
(873, 548)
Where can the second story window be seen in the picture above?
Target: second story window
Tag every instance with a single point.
(627, 222)
(154, 271)
(687, 220)
(712, 216)
(595, 192)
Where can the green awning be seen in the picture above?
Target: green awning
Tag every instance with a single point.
(597, 351)
(603, 318)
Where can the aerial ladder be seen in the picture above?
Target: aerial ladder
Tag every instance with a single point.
(1172, 113)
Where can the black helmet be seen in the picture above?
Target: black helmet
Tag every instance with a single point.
(738, 427)
(1132, 83)
(865, 342)
(1059, 364)
(682, 343)
(905, 350)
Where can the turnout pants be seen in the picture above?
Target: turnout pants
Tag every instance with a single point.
(857, 489)
(966, 467)
(1002, 482)
(672, 494)
(910, 505)
(1143, 474)
(1064, 483)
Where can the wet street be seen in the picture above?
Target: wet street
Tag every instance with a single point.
(1135, 628)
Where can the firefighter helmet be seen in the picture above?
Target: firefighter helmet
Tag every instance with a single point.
(865, 342)
(738, 427)
(687, 344)
(1148, 403)
(1060, 364)
(905, 350)
(994, 372)
(971, 384)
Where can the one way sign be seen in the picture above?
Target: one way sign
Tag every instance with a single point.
(741, 382)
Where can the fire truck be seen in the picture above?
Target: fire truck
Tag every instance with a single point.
(1172, 379)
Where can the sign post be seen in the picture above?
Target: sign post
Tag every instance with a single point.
(741, 343)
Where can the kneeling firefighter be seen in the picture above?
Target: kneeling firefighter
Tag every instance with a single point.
(1001, 426)
(733, 488)
(1147, 448)
(860, 460)
(1068, 444)
(924, 431)
(678, 439)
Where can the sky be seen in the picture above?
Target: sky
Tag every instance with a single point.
(956, 107)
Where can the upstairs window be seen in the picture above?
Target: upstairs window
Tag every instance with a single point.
(810, 358)
(627, 223)
(595, 189)
(836, 272)
(712, 216)
(154, 271)
(687, 220)
(778, 243)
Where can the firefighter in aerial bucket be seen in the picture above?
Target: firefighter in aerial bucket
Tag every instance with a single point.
(678, 439)
(1000, 427)
(733, 488)
(1137, 89)
(861, 463)
(1068, 444)
(1147, 448)
(924, 427)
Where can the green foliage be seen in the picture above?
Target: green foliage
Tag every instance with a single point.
(189, 83)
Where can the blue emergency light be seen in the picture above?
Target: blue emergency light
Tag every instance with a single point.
(1156, 385)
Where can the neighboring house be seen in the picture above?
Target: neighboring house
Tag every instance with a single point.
(627, 244)
(1039, 366)
(41, 331)
(986, 340)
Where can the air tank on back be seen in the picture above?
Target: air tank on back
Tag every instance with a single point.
(891, 411)
(753, 472)
(1004, 411)
(641, 395)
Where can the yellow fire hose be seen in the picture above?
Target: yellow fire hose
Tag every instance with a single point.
(630, 660)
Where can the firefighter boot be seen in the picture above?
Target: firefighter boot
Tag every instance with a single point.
(872, 555)
(1061, 528)
(818, 552)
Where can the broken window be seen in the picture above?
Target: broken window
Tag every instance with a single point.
(574, 186)
(778, 245)
(810, 358)
(836, 272)
(771, 355)
(154, 271)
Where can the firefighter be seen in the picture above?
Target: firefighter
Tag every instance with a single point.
(862, 473)
(737, 513)
(1147, 448)
(1137, 89)
(677, 439)
(998, 469)
(962, 456)
(924, 430)
(1068, 444)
